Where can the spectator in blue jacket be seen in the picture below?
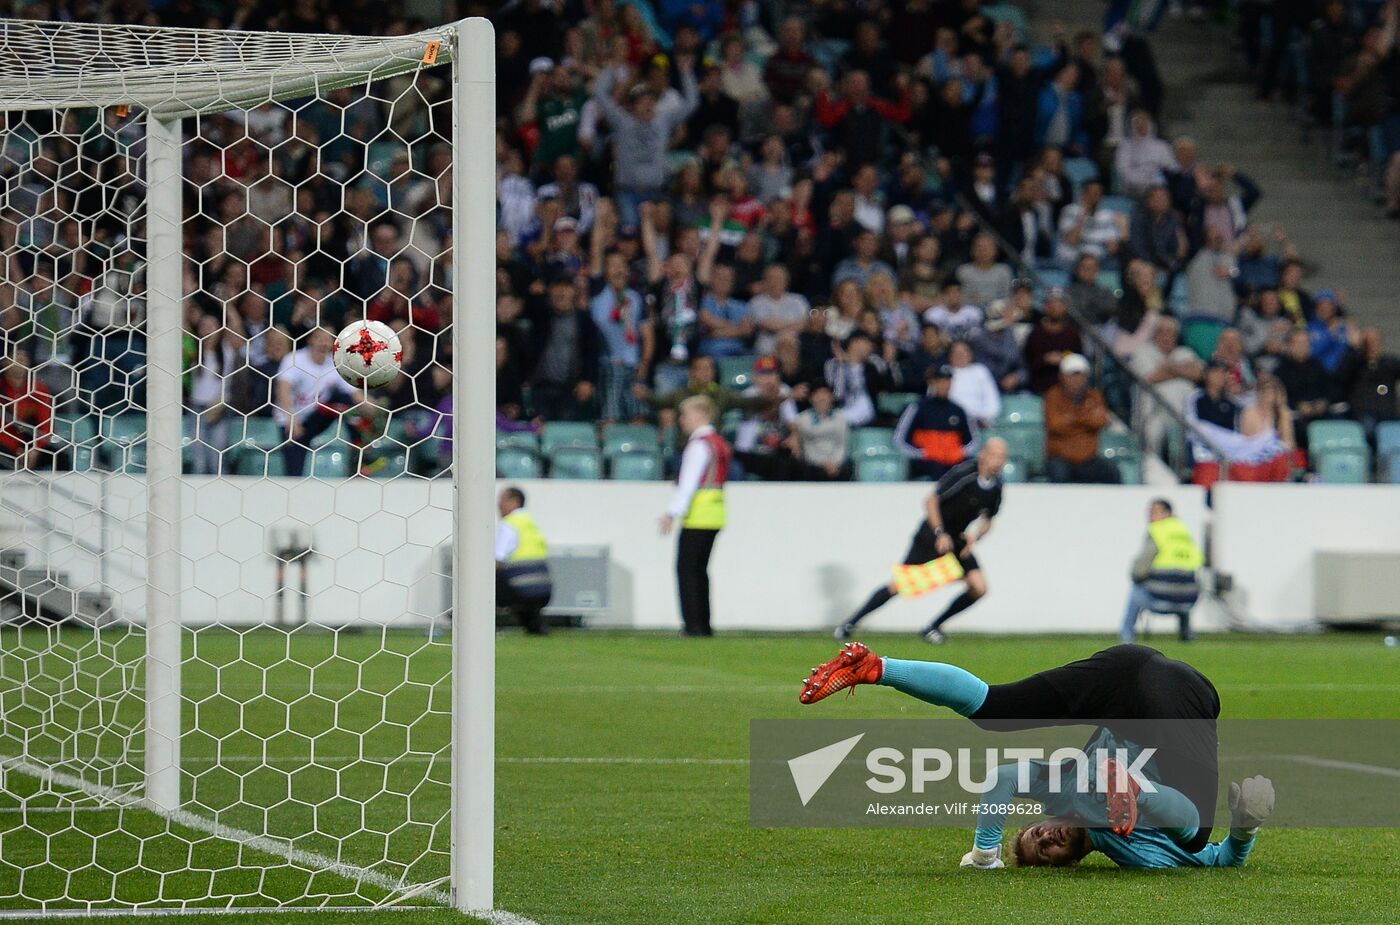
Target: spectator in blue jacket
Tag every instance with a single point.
(1059, 117)
(1332, 335)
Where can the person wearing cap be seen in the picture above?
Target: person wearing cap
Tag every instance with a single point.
(553, 104)
(968, 494)
(1051, 339)
(1075, 414)
(1332, 335)
(901, 233)
(760, 440)
(698, 504)
(934, 432)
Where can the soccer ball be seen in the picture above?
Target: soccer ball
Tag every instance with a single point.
(368, 353)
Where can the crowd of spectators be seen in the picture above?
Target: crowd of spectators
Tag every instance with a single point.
(848, 199)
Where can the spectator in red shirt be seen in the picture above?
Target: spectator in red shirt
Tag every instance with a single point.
(26, 418)
(1054, 337)
(856, 119)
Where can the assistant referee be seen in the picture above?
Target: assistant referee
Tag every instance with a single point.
(967, 493)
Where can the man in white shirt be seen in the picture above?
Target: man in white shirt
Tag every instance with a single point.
(698, 503)
(310, 397)
(1086, 228)
(776, 311)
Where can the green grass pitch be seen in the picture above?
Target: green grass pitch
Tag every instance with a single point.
(643, 839)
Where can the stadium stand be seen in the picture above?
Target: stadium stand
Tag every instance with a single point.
(841, 196)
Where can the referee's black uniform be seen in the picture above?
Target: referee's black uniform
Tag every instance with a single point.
(963, 497)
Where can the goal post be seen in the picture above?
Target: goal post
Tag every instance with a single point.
(185, 214)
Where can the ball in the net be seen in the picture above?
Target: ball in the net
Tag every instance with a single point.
(368, 353)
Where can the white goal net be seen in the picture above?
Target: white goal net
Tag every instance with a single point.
(229, 625)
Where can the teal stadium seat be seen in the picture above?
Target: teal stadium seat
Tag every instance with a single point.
(1015, 472)
(568, 433)
(1080, 170)
(736, 373)
(872, 441)
(892, 404)
(1200, 334)
(628, 438)
(636, 466)
(1123, 205)
(1327, 436)
(1024, 442)
(1122, 450)
(576, 462)
(124, 442)
(514, 462)
(1343, 467)
(334, 460)
(889, 468)
(517, 439)
(1388, 451)
(1022, 409)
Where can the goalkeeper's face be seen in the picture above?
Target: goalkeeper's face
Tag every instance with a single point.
(1051, 843)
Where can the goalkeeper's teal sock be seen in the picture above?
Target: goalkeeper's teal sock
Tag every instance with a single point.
(936, 683)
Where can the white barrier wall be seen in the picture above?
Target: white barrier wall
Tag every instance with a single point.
(793, 556)
(1266, 536)
(802, 557)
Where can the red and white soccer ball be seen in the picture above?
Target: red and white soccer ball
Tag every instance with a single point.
(368, 354)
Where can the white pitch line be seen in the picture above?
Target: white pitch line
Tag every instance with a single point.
(428, 759)
(1337, 765)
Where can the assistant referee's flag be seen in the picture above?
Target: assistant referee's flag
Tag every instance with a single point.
(914, 580)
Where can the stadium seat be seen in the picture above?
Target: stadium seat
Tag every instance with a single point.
(736, 373)
(334, 460)
(890, 468)
(1326, 436)
(250, 459)
(568, 433)
(1080, 170)
(872, 441)
(1022, 409)
(1024, 442)
(79, 434)
(636, 465)
(628, 438)
(1388, 450)
(1343, 466)
(729, 422)
(1111, 280)
(517, 463)
(517, 439)
(1200, 334)
(894, 403)
(1123, 450)
(124, 442)
(1015, 472)
(575, 462)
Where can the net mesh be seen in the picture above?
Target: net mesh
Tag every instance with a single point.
(316, 516)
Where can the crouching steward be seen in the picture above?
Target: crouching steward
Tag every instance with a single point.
(698, 503)
(523, 585)
(1165, 572)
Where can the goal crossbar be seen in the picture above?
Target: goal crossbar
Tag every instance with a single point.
(172, 73)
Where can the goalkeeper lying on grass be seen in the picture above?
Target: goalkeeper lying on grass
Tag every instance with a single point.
(1138, 698)
(1083, 824)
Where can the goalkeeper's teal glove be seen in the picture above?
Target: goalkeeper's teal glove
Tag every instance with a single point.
(983, 858)
(1251, 802)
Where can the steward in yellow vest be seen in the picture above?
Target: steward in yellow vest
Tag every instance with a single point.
(1164, 573)
(522, 563)
(699, 506)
